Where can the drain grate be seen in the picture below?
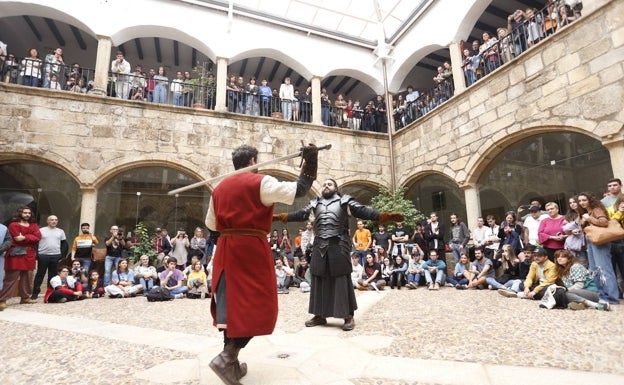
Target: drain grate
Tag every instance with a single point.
(283, 356)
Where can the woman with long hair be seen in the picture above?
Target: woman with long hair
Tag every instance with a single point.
(575, 240)
(122, 282)
(582, 292)
(593, 213)
(397, 278)
(511, 232)
(285, 244)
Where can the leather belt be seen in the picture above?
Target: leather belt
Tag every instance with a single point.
(243, 232)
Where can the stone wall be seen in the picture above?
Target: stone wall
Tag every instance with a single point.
(93, 138)
(571, 81)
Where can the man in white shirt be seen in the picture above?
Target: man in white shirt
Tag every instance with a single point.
(531, 225)
(287, 95)
(121, 76)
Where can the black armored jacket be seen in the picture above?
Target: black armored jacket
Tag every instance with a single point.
(332, 242)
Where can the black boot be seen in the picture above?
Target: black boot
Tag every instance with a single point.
(227, 366)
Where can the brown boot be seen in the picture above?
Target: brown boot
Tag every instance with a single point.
(227, 366)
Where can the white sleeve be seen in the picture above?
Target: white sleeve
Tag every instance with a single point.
(210, 221)
(273, 191)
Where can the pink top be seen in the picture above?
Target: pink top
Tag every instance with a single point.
(550, 227)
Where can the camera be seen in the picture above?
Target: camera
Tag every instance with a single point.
(120, 234)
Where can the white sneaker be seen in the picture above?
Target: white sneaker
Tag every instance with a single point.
(521, 295)
(179, 295)
(507, 293)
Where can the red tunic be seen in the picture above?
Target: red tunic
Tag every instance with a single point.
(33, 236)
(246, 260)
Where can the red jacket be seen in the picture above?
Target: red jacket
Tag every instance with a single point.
(245, 260)
(33, 236)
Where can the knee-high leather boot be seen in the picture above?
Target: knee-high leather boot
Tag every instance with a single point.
(227, 366)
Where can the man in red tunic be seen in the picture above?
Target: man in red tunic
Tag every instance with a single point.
(241, 211)
(20, 258)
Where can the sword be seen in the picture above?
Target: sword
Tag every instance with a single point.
(244, 169)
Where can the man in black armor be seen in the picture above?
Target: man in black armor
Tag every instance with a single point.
(332, 292)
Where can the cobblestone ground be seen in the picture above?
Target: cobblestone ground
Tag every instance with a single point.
(465, 326)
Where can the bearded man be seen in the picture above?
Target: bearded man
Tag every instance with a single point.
(332, 293)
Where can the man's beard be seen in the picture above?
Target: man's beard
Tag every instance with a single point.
(85, 231)
(327, 193)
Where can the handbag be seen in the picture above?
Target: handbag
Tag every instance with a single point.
(18, 251)
(554, 297)
(600, 235)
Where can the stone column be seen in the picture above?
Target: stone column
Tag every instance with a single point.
(222, 64)
(473, 204)
(88, 207)
(102, 65)
(458, 74)
(616, 152)
(316, 100)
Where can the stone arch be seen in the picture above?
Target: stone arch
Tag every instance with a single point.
(8, 9)
(371, 81)
(491, 148)
(7, 157)
(117, 166)
(406, 66)
(276, 55)
(131, 32)
(440, 193)
(362, 191)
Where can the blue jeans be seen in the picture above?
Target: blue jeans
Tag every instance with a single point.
(516, 285)
(85, 263)
(413, 278)
(160, 93)
(439, 277)
(147, 285)
(178, 99)
(457, 250)
(600, 262)
(181, 289)
(108, 264)
(325, 115)
(32, 81)
(457, 280)
(494, 283)
(287, 111)
(361, 256)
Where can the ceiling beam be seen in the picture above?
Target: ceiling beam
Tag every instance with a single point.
(498, 12)
(289, 72)
(243, 67)
(34, 29)
(341, 84)
(328, 81)
(355, 84)
(427, 66)
(299, 81)
(55, 31)
(78, 37)
(194, 58)
(274, 71)
(176, 53)
(158, 52)
(437, 58)
(122, 49)
(486, 28)
(137, 43)
(259, 68)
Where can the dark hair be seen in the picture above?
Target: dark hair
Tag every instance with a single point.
(61, 267)
(615, 180)
(456, 216)
(242, 155)
(593, 202)
(85, 224)
(571, 215)
(172, 259)
(18, 214)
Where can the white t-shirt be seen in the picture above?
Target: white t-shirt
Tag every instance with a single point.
(533, 225)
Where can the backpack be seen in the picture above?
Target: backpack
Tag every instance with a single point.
(158, 293)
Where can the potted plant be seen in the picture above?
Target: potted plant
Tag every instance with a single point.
(143, 246)
(204, 86)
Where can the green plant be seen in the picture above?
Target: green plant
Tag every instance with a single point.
(396, 201)
(204, 84)
(144, 247)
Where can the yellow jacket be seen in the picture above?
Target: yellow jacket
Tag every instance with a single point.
(550, 275)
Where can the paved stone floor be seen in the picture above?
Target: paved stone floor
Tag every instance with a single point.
(402, 337)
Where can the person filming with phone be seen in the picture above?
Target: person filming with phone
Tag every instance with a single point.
(115, 243)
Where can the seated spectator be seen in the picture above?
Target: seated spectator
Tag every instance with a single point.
(94, 288)
(542, 274)
(434, 271)
(386, 269)
(415, 270)
(189, 268)
(145, 274)
(172, 279)
(78, 272)
(461, 275)
(582, 291)
(197, 281)
(371, 275)
(63, 287)
(510, 264)
(514, 286)
(357, 269)
(397, 277)
(482, 272)
(303, 276)
(122, 282)
(54, 84)
(284, 276)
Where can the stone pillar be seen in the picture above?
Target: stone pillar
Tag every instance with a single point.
(616, 152)
(458, 74)
(316, 100)
(473, 204)
(88, 207)
(222, 77)
(102, 65)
